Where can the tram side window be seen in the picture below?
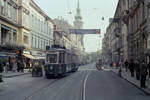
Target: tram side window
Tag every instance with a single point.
(61, 58)
(52, 58)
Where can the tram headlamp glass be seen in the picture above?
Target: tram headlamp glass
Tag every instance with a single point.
(51, 67)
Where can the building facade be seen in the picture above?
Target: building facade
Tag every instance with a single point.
(9, 27)
(23, 21)
(137, 35)
(41, 29)
(131, 33)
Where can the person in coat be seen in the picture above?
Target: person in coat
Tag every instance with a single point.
(137, 69)
(149, 68)
(126, 64)
(143, 69)
(1, 70)
(131, 68)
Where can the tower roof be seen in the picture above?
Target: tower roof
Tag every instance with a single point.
(78, 14)
(78, 6)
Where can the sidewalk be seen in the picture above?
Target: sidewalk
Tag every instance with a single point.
(132, 80)
(14, 74)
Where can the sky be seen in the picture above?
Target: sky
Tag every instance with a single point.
(92, 12)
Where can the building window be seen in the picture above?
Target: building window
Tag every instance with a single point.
(9, 10)
(14, 14)
(14, 36)
(32, 21)
(36, 24)
(39, 43)
(44, 44)
(2, 4)
(35, 43)
(39, 25)
(25, 39)
(32, 41)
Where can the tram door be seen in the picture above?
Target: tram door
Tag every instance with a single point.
(62, 65)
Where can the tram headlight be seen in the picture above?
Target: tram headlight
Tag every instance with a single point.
(51, 67)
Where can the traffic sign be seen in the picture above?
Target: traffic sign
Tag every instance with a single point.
(84, 31)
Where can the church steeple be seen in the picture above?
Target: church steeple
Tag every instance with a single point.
(78, 5)
(78, 24)
(78, 12)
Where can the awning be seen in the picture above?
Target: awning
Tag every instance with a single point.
(7, 54)
(6, 27)
(3, 56)
(29, 56)
(41, 58)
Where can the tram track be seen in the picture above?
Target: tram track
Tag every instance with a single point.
(46, 86)
(53, 82)
(83, 96)
(39, 90)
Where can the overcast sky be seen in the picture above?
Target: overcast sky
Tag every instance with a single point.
(92, 12)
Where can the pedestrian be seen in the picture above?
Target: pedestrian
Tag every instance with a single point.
(143, 68)
(137, 69)
(14, 64)
(126, 65)
(30, 65)
(10, 64)
(22, 66)
(131, 68)
(120, 68)
(6, 66)
(1, 70)
(149, 68)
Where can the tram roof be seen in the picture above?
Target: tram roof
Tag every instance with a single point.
(56, 49)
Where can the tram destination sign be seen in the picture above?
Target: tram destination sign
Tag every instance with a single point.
(84, 31)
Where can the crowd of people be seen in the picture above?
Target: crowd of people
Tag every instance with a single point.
(139, 69)
(12, 64)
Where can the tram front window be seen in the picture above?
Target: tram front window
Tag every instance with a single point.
(52, 58)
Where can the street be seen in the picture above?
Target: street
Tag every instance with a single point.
(86, 84)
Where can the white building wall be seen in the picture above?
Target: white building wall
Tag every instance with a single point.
(41, 30)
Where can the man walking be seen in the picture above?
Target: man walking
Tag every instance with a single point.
(126, 65)
(137, 69)
(1, 70)
(143, 68)
(149, 68)
(131, 67)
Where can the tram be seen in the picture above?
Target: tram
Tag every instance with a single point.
(60, 61)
